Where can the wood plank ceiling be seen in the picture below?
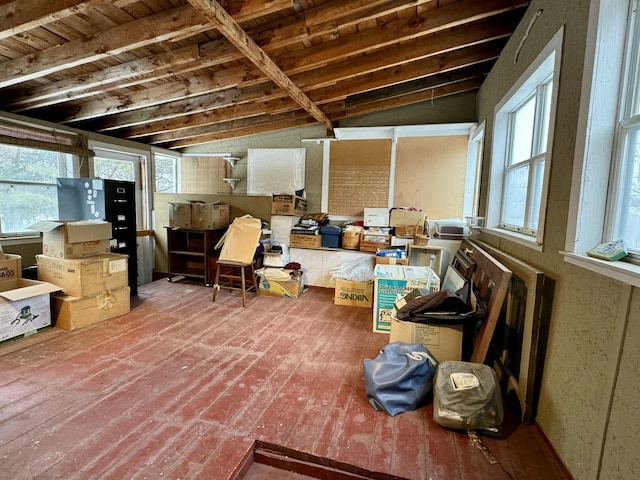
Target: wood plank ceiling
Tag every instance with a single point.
(176, 73)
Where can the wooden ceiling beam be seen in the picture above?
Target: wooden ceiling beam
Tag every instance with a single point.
(20, 16)
(270, 36)
(239, 38)
(460, 13)
(172, 24)
(204, 82)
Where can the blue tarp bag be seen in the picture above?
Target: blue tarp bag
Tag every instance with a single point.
(400, 378)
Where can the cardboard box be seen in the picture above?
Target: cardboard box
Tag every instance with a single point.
(278, 282)
(306, 241)
(393, 282)
(371, 242)
(376, 217)
(10, 267)
(351, 239)
(444, 342)
(391, 261)
(82, 277)
(65, 239)
(71, 313)
(24, 306)
(355, 294)
(180, 215)
(399, 217)
(210, 216)
(285, 204)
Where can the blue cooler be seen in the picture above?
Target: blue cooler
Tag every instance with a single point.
(331, 236)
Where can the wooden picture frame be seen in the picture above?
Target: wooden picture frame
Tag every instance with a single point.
(519, 343)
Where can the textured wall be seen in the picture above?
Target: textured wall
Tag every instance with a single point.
(587, 395)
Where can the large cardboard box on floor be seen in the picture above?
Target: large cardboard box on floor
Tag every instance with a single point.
(82, 277)
(355, 294)
(74, 239)
(24, 306)
(210, 216)
(71, 313)
(10, 266)
(444, 342)
(393, 282)
(279, 282)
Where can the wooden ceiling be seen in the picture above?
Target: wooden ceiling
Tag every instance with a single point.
(176, 73)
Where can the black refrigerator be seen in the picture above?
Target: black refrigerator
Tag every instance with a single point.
(110, 200)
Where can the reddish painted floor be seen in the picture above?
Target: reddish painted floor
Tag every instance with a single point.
(181, 388)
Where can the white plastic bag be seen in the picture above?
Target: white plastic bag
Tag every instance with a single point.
(360, 270)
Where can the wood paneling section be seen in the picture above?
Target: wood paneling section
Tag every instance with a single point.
(204, 175)
(358, 176)
(430, 175)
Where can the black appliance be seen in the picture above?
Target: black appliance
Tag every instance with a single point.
(110, 200)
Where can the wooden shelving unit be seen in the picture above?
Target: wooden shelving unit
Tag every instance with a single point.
(189, 251)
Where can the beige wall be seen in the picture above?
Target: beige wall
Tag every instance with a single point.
(589, 391)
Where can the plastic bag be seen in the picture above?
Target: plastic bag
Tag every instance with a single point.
(360, 270)
(467, 396)
(400, 378)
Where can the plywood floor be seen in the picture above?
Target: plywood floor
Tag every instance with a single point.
(182, 388)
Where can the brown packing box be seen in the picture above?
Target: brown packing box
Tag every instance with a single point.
(307, 241)
(444, 342)
(65, 239)
(286, 204)
(70, 313)
(10, 266)
(355, 294)
(179, 215)
(279, 286)
(399, 217)
(391, 261)
(84, 277)
(209, 216)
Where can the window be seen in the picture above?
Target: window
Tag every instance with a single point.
(605, 189)
(166, 173)
(522, 149)
(28, 187)
(624, 215)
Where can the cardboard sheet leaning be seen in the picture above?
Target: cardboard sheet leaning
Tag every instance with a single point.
(241, 240)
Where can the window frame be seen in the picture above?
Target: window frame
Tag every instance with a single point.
(544, 69)
(590, 206)
(65, 163)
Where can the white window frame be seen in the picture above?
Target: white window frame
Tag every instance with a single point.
(141, 173)
(155, 152)
(545, 67)
(589, 211)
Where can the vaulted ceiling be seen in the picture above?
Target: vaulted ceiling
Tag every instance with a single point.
(175, 73)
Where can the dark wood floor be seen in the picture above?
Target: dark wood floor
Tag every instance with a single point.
(182, 388)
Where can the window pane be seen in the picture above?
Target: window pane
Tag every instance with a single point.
(23, 205)
(536, 194)
(28, 165)
(114, 169)
(522, 136)
(515, 196)
(165, 174)
(628, 224)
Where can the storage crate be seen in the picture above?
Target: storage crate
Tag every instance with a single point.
(372, 242)
(306, 241)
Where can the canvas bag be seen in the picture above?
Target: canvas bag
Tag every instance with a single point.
(467, 396)
(400, 378)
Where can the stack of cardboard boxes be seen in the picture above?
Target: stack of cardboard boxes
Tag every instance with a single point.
(24, 304)
(76, 258)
